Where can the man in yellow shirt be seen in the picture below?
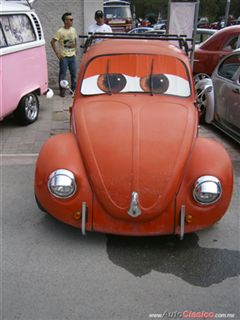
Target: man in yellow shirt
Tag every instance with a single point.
(66, 51)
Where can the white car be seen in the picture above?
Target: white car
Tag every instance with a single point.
(218, 97)
(140, 30)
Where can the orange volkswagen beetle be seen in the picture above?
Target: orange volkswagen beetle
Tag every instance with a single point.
(132, 163)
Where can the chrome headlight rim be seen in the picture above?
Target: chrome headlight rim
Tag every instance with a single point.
(67, 180)
(208, 182)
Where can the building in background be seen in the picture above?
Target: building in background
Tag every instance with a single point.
(50, 13)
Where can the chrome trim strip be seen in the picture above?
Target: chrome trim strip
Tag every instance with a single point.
(134, 209)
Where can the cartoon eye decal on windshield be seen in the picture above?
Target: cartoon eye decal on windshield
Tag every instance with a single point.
(111, 82)
(167, 84)
(157, 83)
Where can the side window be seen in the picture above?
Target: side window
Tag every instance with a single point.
(2, 39)
(231, 44)
(238, 41)
(17, 29)
(229, 67)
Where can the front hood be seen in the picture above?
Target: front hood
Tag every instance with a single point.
(134, 145)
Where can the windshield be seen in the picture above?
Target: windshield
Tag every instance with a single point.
(136, 73)
(117, 13)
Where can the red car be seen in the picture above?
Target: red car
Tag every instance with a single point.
(132, 163)
(210, 52)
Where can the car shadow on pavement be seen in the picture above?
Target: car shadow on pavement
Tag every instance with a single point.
(198, 266)
(185, 259)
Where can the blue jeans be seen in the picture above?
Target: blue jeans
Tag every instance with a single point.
(68, 63)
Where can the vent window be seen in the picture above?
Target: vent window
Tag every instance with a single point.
(38, 27)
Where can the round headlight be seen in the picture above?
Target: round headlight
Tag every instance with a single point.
(207, 190)
(61, 183)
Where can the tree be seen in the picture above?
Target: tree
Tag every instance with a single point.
(213, 9)
(144, 7)
(235, 8)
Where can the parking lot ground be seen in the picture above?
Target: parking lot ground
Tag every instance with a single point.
(49, 271)
(53, 118)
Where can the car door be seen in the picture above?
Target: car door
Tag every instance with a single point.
(234, 103)
(226, 81)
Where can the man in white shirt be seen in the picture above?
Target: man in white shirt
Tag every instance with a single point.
(99, 25)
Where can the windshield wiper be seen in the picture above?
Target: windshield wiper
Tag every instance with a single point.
(151, 80)
(108, 80)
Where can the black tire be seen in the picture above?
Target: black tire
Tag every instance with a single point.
(39, 205)
(28, 109)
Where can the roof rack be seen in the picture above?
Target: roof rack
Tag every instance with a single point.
(181, 39)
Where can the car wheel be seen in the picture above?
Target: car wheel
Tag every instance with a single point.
(28, 109)
(200, 76)
(200, 92)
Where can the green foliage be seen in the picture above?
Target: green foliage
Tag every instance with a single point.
(235, 8)
(144, 7)
(213, 9)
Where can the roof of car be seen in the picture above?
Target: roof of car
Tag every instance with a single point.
(230, 28)
(14, 6)
(135, 46)
(221, 33)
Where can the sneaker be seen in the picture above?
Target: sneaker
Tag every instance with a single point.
(62, 92)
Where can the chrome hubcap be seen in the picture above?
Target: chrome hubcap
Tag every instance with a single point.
(31, 107)
(200, 96)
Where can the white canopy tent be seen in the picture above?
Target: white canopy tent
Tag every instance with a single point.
(182, 20)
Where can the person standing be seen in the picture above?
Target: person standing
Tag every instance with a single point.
(99, 25)
(66, 38)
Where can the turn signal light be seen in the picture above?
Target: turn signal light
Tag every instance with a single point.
(77, 215)
(188, 218)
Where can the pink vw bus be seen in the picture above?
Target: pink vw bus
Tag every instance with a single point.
(23, 62)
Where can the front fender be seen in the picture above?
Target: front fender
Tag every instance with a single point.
(210, 103)
(62, 152)
(205, 86)
(208, 158)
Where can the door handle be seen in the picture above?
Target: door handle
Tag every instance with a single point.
(236, 90)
